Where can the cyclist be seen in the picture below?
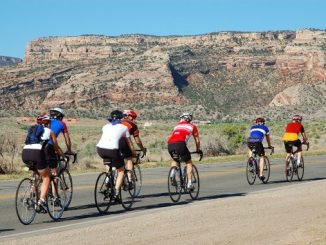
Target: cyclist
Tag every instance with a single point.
(178, 143)
(128, 120)
(57, 126)
(291, 139)
(36, 153)
(256, 136)
(108, 146)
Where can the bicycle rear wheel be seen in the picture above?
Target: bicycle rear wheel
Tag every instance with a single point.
(138, 179)
(127, 192)
(251, 171)
(266, 170)
(67, 181)
(290, 171)
(195, 181)
(174, 184)
(102, 192)
(300, 170)
(56, 198)
(25, 201)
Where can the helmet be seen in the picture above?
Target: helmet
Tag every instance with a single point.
(131, 113)
(57, 112)
(260, 120)
(187, 116)
(43, 118)
(297, 118)
(116, 114)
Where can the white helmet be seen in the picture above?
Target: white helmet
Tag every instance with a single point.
(57, 112)
(186, 116)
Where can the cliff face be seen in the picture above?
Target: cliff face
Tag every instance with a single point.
(214, 76)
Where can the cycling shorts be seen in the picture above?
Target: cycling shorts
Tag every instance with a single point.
(51, 156)
(115, 156)
(36, 156)
(289, 145)
(124, 148)
(258, 146)
(180, 148)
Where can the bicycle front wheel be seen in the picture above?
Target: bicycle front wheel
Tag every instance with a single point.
(127, 191)
(138, 179)
(251, 171)
(67, 181)
(267, 170)
(102, 192)
(290, 171)
(195, 182)
(25, 201)
(174, 184)
(300, 170)
(56, 198)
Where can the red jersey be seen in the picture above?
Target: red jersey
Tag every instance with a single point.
(132, 127)
(292, 130)
(182, 132)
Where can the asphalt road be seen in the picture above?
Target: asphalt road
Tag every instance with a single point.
(220, 180)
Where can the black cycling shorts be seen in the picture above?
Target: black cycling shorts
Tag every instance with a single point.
(258, 146)
(114, 155)
(289, 145)
(51, 156)
(124, 147)
(36, 156)
(180, 148)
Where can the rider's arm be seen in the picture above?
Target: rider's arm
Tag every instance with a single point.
(268, 139)
(55, 144)
(197, 141)
(131, 146)
(68, 142)
(304, 137)
(140, 144)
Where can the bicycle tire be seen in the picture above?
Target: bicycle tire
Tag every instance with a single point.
(138, 179)
(25, 201)
(196, 183)
(290, 171)
(67, 181)
(174, 184)
(266, 170)
(300, 170)
(251, 171)
(56, 198)
(127, 193)
(102, 192)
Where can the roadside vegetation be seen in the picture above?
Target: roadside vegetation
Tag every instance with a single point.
(219, 141)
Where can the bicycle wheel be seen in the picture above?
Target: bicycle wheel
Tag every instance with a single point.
(290, 171)
(25, 201)
(267, 170)
(174, 184)
(195, 181)
(67, 181)
(251, 171)
(56, 198)
(138, 179)
(127, 191)
(300, 170)
(102, 192)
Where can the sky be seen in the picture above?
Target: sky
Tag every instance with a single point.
(25, 20)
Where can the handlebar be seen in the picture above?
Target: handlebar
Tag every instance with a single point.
(307, 144)
(270, 148)
(67, 159)
(139, 153)
(200, 153)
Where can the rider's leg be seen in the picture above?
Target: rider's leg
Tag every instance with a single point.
(129, 166)
(287, 161)
(189, 172)
(45, 174)
(119, 181)
(261, 166)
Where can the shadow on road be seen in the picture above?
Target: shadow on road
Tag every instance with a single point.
(295, 180)
(3, 230)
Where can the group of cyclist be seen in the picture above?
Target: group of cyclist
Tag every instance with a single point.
(259, 131)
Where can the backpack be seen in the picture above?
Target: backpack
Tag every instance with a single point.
(34, 134)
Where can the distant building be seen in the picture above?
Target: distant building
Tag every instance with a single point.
(199, 122)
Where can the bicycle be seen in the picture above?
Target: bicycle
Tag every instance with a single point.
(137, 175)
(252, 169)
(178, 179)
(64, 174)
(105, 188)
(28, 193)
(294, 168)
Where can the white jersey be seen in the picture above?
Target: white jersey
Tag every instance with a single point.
(38, 146)
(111, 134)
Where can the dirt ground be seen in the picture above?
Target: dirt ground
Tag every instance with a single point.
(295, 214)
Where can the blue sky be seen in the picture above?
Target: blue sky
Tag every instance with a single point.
(26, 20)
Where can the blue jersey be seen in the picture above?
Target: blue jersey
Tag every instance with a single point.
(57, 126)
(258, 132)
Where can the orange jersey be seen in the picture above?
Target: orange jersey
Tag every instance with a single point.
(132, 127)
(292, 131)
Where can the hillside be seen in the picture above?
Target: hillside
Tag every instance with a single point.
(217, 76)
(5, 61)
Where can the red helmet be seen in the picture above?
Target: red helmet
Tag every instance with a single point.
(260, 120)
(131, 113)
(43, 118)
(297, 117)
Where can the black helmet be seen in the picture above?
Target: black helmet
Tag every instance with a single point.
(116, 114)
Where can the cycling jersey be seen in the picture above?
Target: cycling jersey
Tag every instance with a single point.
(57, 126)
(182, 132)
(111, 134)
(258, 132)
(132, 127)
(292, 130)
